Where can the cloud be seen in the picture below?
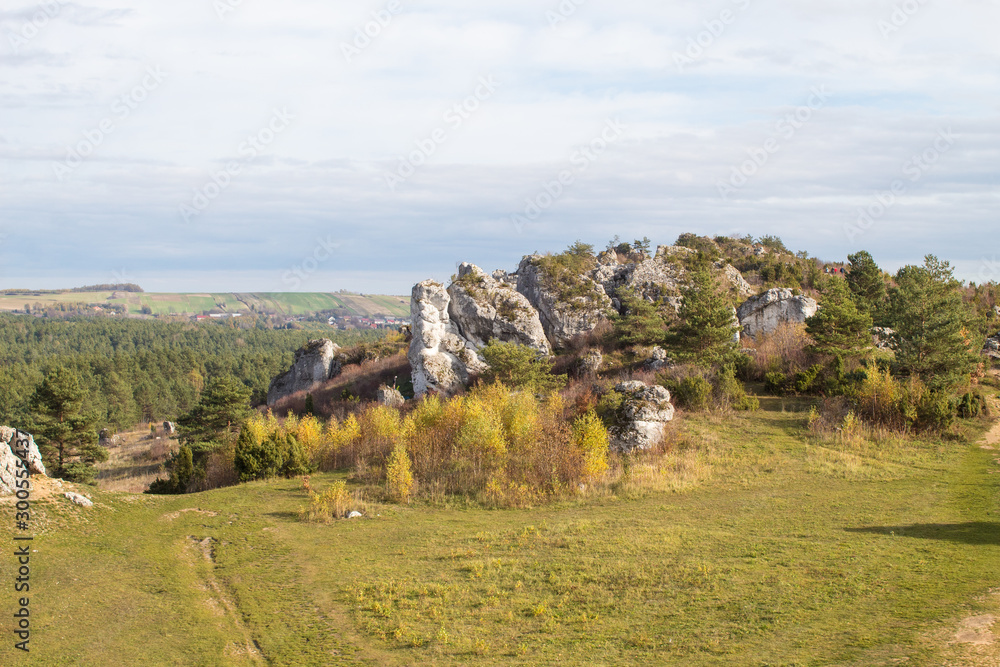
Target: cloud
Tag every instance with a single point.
(688, 128)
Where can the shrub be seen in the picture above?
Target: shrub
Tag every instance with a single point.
(334, 503)
(973, 404)
(181, 474)
(591, 437)
(805, 381)
(694, 393)
(776, 383)
(731, 392)
(519, 367)
(257, 457)
(399, 475)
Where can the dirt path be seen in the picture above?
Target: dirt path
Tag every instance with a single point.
(200, 555)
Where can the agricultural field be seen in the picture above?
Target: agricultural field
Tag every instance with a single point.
(286, 304)
(750, 542)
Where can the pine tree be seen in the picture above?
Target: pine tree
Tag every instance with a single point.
(707, 330)
(642, 323)
(224, 406)
(933, 325)
(839, 329)
(64, 430)
(867, 284)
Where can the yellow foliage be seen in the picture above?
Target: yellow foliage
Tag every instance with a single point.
(591, 436)
(399, 475)
(309, 433)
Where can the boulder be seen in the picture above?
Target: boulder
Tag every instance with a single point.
(10, 462)
(644, 415)
(82, 501)
(389, 396)
(317, 361)
(169, 428)
(440, 358)
(658, 360)
(736, 279)
(762, 314)
(882, 338)
(590, 363)
(562, 315)
(484, 309)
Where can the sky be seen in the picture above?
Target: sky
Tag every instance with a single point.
(252, 145)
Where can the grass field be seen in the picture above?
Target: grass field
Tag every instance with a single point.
(283, 303)
(753, 545)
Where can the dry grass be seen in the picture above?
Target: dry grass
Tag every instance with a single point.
(135, 463)
(781, 351)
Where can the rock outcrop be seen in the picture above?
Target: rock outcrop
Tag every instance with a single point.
(10, 462)
(762, 314)
(484, 308)
(563, 316)
(441, 360)
(317, 361)
(589, 364)
(390, 397)
(644, 414)
(78, 499)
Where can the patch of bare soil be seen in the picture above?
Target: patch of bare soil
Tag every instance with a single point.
(174, 515)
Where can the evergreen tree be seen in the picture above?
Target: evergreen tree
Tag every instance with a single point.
(933, 325)
(224, 406)
(64, 431)
(642, 323)
(839, 329)
(519, 366)
(867, 284)
(707, 329)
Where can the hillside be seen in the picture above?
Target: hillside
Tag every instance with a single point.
(755, 544)
(288, 304)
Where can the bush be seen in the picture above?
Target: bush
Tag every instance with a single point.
(693, 393)
(936, 411)
(972, 405)
(267, 456)
(805, 381)
(776, 383)
(334, 503)
(519, 367)
(731, 392)
(591, 437)
(399, 475)
(181, 473)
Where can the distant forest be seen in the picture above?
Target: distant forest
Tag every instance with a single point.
(142, 370)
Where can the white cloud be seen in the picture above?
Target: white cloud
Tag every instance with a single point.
(688, 128)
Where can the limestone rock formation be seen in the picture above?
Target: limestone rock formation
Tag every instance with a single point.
(390, 397)
(317, 361)
(484, 308)
(562, 316)
(992, 347)
(10, 462)
(882, 339)
(763, 313)
(645, 411)
(440, 358)
(736, 279)
(589, 364)
(76, 498)
(658, 360)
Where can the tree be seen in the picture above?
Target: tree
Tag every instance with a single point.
(65, 431)
(182, 470)
(642, 323)
(933, 336)
(708, 327)
(260, 455)
(839, 329)
(519, 366)
(223, 407)
(866, 283)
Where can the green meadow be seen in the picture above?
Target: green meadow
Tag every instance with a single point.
(753, 544)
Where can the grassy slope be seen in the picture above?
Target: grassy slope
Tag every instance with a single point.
(789, 554)
(285, 303)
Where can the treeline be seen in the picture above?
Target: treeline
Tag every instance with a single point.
(133, 371)
(103, 287)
